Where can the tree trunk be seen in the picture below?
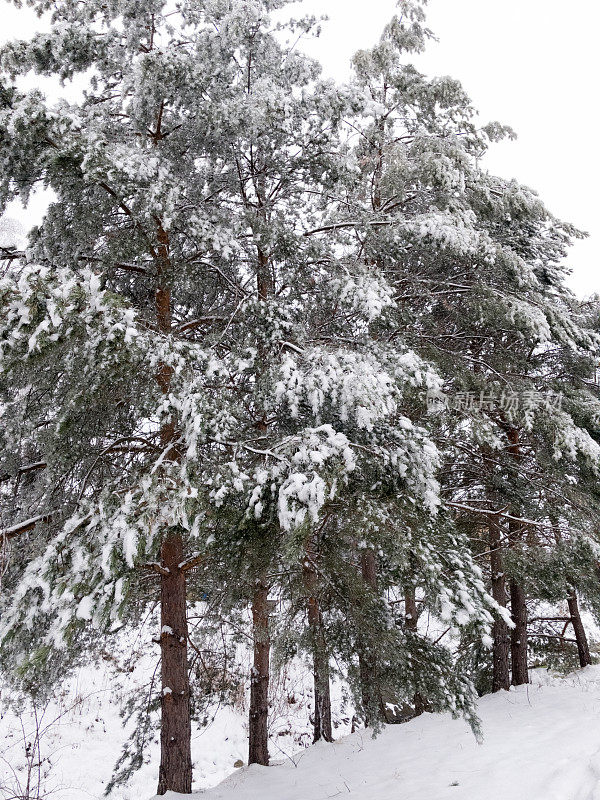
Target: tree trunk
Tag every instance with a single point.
(518, 635)
(322, 726)
(583, 649)
(259, 681)
(175, 772)
(411, 614)
(411, 619)
(518, 604)
(322, 713)
(373, 705)
(501, 647)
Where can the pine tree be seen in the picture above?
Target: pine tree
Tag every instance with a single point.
(477, 267)
(191, 359)
(215, 352)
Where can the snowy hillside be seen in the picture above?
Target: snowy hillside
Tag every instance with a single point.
(541, 742)
(81, 731)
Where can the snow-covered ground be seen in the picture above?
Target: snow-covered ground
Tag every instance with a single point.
(81, 731)
(541, 742)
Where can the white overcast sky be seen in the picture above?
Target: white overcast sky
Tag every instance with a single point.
(533, 64)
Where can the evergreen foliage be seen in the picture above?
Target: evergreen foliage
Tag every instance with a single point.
(222, 338)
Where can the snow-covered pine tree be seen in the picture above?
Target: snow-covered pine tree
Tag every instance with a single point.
(174, 349)
(157, 187)
(356, 210)
(556, 481)
(476, 264)
(204, 378)
(379, 210)
(322, 371)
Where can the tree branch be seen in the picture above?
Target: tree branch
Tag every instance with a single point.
(27, 525)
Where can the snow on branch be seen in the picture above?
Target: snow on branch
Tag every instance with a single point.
(27, 525)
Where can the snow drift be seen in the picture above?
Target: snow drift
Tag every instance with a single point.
(541, 742)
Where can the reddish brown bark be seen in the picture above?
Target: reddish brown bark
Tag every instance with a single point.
(175, 772)
(411, 613)
(322, 726)
(259, 679)
(373, 705)
(518, 600)
(518, 635)
(583, 649)
(501, 638)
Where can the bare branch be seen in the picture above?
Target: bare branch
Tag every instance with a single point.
(192, 562)
(355, 224)
(27, 525)
(489, 512)
(24, 470)
(156, 567)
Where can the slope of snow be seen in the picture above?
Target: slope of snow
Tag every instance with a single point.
(81, 732)
(541, 742)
